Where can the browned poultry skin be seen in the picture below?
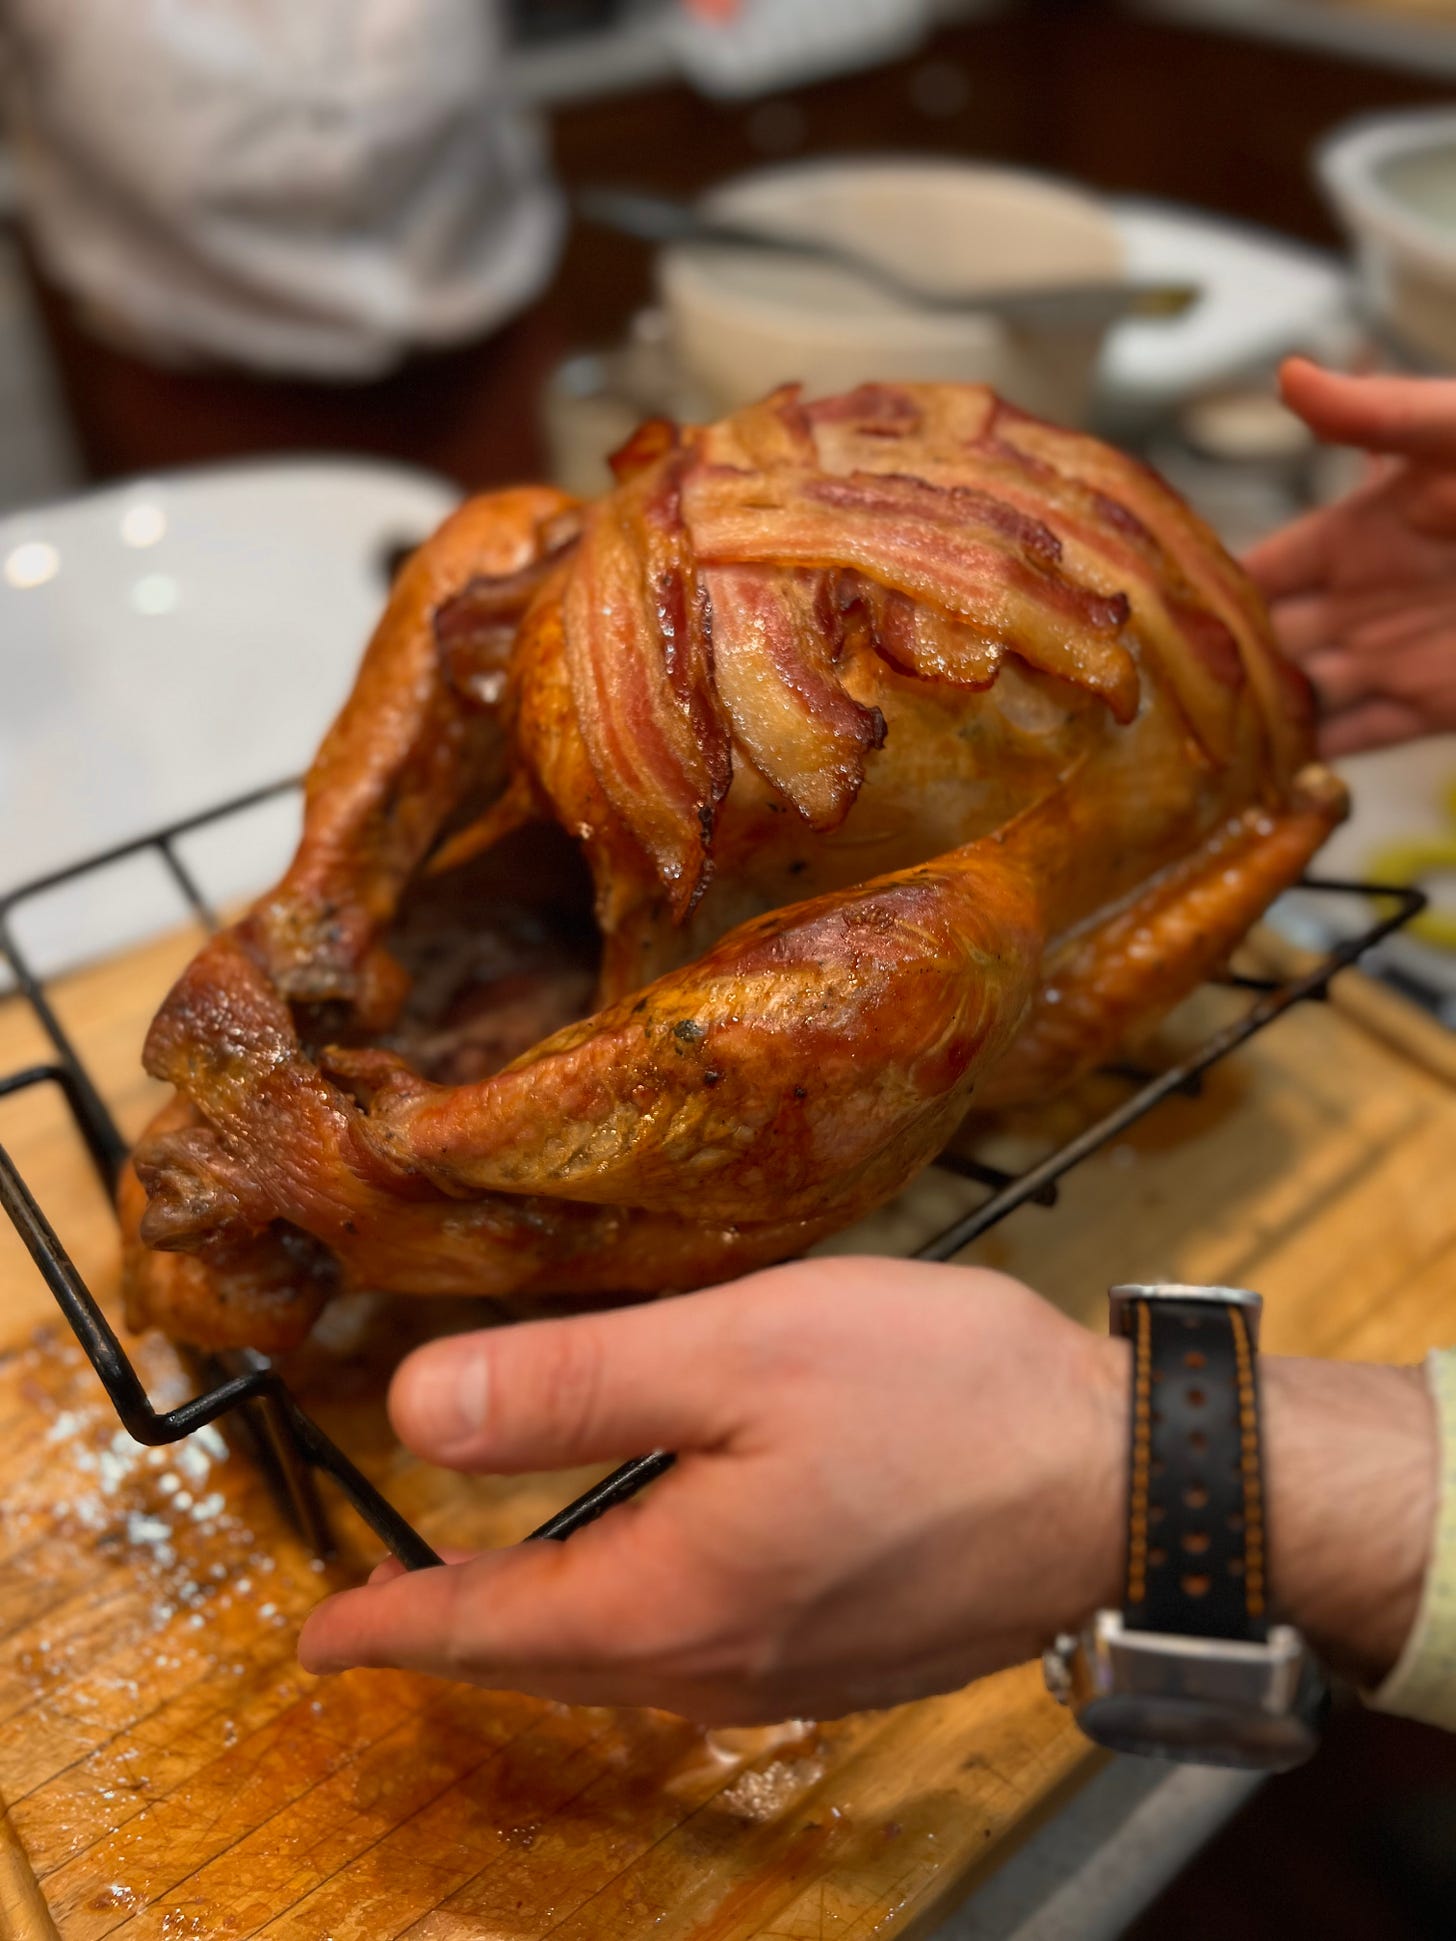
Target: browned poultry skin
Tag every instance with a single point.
(905, 751)
(406, 748)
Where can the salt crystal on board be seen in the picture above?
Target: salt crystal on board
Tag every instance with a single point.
(142, 1529)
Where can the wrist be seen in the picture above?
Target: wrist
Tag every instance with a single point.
(1350, 1462)
(1257, 1537)
(1098, 1485)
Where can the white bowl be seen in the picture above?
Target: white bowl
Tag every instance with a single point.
(1392, 180)
(742, 323)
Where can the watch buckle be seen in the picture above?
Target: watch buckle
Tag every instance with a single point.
(1235, 1670)
(1122, 1298)
(1218, 1701)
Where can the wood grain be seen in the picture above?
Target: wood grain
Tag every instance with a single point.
(170, 1772)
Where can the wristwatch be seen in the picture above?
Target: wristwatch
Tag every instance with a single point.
(1193, 1667)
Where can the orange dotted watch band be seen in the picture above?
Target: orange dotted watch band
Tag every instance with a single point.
(1197, 1544)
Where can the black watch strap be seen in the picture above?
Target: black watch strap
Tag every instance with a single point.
(1197, 1548)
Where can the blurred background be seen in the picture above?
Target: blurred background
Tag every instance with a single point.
(350, 259)
(278, 282)
(233, 231)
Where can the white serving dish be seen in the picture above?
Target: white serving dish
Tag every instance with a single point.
(1263, 296)
(742, 323)
(170, 643)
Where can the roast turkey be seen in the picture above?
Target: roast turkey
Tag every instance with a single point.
(685, 865)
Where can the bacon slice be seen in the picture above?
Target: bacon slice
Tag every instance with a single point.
(950, 436)
(965, 552)
(1190, 607)
(920, 429)
(650, 442)
(1107, 546)
(1217, 582)
(639, 662)
(923, 641)
(774, 433)
(776, 638)
(888, 409)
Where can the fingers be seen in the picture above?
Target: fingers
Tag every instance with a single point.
(1382, 670)
(538, 1617)
(1408, 417)
(1311, 633)
(391, 1567)
(549, 1394)
(1378, 723)
(1354, 643)
(1295, 558)
(1304, 624)
(471, 1620)
(1341, 679)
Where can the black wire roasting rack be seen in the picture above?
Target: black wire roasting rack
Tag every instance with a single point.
(285, 1438)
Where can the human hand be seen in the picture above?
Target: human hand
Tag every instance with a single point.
(1363, 592)
(892, 1478)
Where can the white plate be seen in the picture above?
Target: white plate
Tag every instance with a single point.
(1264, 296)
(167, 644)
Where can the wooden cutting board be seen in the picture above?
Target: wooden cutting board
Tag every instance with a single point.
(167, 1771)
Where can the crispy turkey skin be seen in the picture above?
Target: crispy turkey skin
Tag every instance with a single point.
(684, 865)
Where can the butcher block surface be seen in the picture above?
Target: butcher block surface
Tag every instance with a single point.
(168, 1771)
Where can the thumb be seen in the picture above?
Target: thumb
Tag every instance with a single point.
(551, 1394)
(1407, 417)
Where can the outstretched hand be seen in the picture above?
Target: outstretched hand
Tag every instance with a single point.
(892, 1479)
(1363, 592)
